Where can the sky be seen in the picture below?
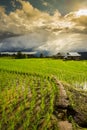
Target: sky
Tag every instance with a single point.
(43, 25)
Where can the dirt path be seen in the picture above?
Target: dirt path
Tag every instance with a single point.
(61, 105)
(65, 125)
(63, 98)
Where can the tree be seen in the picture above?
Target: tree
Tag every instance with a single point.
(41, 55)
(19, 55)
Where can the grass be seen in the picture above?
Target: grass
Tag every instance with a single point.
(69, 71)
(27, 91)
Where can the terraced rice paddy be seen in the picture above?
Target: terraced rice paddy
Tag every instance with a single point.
(26, 101)
(28, 91)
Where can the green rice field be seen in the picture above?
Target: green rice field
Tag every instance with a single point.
(69, 71)
(28, 91)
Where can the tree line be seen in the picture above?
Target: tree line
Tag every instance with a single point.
(20, 55)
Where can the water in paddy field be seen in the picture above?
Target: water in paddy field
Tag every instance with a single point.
(82, 85)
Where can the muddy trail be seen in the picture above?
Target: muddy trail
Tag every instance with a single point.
(65, 112)
(60, 107)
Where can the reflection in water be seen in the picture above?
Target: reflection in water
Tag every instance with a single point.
(82, 85)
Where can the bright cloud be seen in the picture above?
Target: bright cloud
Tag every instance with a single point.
(82, 12)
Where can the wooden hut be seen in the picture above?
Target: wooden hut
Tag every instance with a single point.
(73, 56)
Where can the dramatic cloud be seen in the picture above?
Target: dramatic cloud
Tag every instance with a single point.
(22, 20)
(28, 18)
(30, 40)
(42, 31)
(79, 19)
(65, 42)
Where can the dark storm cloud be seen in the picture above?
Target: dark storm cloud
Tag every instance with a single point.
(30, 40)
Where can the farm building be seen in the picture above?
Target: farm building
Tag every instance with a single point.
(60, 55)
(68, 56)
(72, 56)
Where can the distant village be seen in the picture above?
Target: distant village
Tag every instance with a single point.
(59, 55)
